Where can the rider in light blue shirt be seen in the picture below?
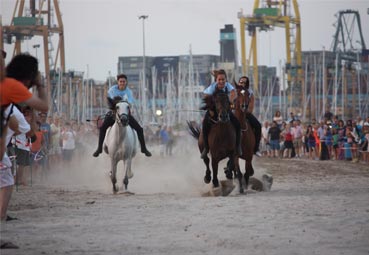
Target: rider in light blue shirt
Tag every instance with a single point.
(211, 89)
(121, 90)
(114, 91)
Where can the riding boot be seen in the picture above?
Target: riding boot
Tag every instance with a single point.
(205, 132)
(101, 140)
(108, 122)
(237, 127)
(256, 126)
(141, 138)
(139, 130)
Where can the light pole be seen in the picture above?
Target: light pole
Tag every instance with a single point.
(143, 17)
(36, 46)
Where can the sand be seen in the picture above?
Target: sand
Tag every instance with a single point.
(314, 207)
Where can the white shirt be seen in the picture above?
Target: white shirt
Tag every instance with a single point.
(264, 132)
(297, 132)
(69, 140)
(23, 127)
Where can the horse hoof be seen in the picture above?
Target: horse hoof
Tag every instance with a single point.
(207, 179)
(242, 191)
(229, 175)
(115, 190)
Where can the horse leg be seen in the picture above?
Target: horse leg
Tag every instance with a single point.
(228, 170)
(237, 173)
(113, 175)
(128, 173)
(249, 171)
(214, 165)
(207, 177)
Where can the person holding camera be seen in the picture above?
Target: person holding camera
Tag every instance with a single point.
(21, 74)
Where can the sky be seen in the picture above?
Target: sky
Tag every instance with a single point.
(97, 32)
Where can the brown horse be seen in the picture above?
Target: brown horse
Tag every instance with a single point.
(222, 138)
(247, 134)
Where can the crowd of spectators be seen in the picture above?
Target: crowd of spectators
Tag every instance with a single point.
(331, 138)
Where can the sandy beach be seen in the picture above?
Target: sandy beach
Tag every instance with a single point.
(314, 207)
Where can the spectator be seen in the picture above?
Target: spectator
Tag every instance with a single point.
(37, 154)
(292, 118)
(6, 176)
(310, 141)
(68, 136)
(297, 137)
(328, 115)
(22, 150)
(274, 137)
(288, 141)
(278, 118)
(164, 138)
(264, 140)
(22, 73)
(321, 132)
(55, 148)
(335, 143)
(329, 140)
(170, 143)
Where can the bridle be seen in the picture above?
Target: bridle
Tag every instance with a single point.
(243, 105)
(223, 116)
(122, 119)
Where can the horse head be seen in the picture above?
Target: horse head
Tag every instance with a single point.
(121, 108)
(222, 106)
(122, 113)
(243, 99)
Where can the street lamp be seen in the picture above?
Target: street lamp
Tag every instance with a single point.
(143, 17)
(36, 46)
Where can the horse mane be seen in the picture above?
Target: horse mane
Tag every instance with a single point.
(209, 100)
(207, 103)
(113, 102)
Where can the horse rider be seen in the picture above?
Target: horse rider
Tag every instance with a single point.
(220, 84)
(255, 124)
(121, 90)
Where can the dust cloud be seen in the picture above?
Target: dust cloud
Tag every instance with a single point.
(178, 173)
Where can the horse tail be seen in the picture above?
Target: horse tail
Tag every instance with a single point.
(194, 131)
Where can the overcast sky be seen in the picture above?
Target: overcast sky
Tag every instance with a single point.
(97, 32)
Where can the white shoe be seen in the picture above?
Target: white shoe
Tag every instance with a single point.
(258, 154)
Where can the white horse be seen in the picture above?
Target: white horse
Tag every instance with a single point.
(121, 143)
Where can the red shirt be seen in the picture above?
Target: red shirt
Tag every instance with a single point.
(288, 136)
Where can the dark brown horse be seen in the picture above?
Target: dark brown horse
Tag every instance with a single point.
(247, 134)
(222, 138)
